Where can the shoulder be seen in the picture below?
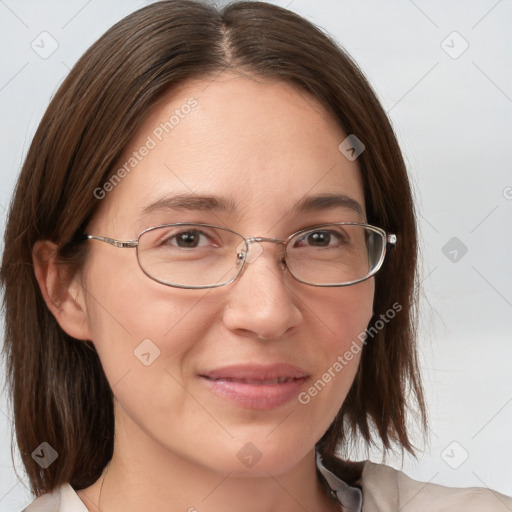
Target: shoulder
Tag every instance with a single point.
(385, 489)
(62, 499)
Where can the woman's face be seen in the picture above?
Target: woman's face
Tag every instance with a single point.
(193, 371)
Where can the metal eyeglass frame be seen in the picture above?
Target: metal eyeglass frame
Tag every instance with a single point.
(242, 256)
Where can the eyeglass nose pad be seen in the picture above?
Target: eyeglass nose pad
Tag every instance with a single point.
(251, 250)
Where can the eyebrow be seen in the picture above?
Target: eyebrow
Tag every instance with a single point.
(326, 202)
(216, 203)
(191, 202)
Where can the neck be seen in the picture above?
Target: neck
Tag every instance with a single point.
(149, 477)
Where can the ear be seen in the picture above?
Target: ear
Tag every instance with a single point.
(61, 291)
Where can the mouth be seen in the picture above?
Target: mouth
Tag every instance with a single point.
(260, 387)
(255, 382)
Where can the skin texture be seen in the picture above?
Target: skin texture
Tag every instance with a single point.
(264, 146)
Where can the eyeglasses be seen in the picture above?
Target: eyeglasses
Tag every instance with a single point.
(187, 255)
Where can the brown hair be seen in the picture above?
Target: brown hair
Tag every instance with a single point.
(58, 389)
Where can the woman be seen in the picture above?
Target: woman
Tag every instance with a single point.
(209, 276)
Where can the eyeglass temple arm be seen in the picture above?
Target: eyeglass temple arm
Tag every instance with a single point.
(112, 241)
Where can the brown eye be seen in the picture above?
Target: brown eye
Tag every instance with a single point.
(321, 238)
(187, 239)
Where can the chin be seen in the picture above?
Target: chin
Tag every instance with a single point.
(257, 456)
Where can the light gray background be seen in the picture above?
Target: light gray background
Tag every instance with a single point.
(453, 119)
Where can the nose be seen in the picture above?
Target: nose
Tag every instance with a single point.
(261, 303)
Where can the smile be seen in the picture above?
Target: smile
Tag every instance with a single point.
(256, 387)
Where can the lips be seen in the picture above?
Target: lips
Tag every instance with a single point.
(256, 386)
(266, 382)
(257, 373)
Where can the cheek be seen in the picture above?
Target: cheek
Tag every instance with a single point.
(341, 323)
(344, 314)
(137, 325)
(147, 337)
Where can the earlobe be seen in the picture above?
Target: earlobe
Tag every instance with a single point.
(61, 291)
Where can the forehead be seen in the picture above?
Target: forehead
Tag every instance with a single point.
(261, 146)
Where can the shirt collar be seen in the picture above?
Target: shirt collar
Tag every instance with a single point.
(350, 498)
